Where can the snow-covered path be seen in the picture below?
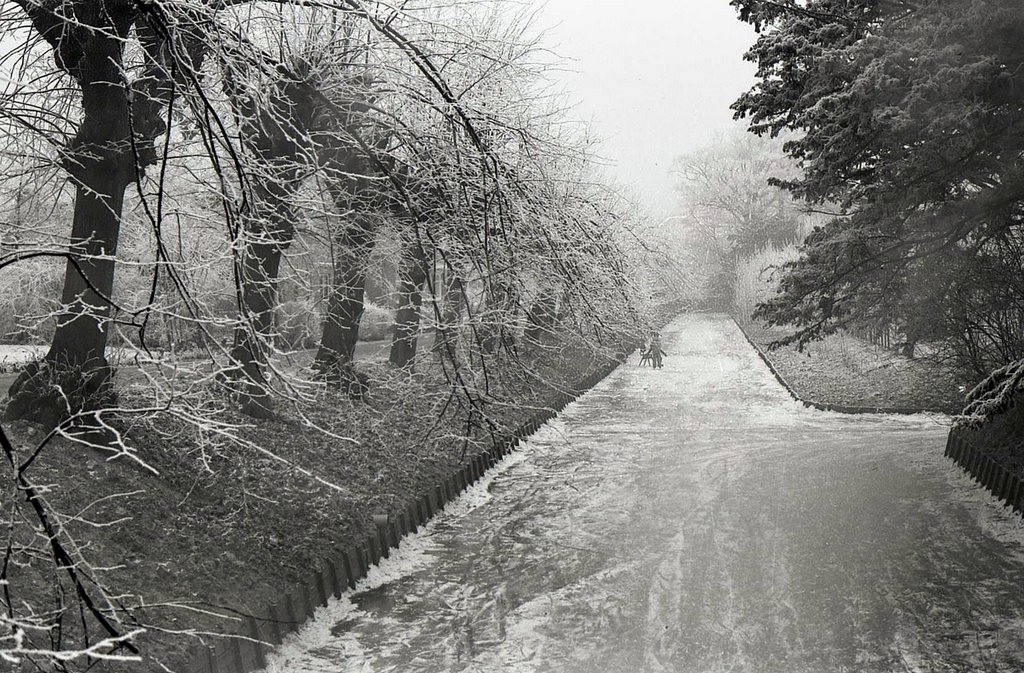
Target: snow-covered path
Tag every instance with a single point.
(697, 519)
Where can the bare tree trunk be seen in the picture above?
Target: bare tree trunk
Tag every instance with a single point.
(268, 233)
(541, 317)
(275, 132)
(451, 314)
(75, 375)
(412, 276)
(88, 41)
(334, 358)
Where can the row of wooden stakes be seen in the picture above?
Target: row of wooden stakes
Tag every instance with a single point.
(988, 472)
(245, 649)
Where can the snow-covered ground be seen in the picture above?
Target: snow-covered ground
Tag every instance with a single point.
(16, 355)
(13, 355)
(695, 518)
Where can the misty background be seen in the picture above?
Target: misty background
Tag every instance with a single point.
(654, 79)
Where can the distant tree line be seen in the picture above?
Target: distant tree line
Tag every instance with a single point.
(726, 212)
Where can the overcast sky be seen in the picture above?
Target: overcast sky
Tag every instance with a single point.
(655, 77)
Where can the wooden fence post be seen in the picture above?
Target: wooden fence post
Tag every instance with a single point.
(395, 534)
(412, 517)
(307, 598)
(972, 463)
(351, 563)
(275, 624)
(382, 541)
(373, 549)
(335, 581)
(956, 448)
(291, 618)
(323, 589)
(235, 652)
(1001, 483)
(260, 659)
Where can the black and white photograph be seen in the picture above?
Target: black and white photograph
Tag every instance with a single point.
(511, 336)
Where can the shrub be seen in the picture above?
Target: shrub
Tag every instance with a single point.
(298, 325)
(376, 323)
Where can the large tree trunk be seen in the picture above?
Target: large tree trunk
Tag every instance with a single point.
(334, 359)
(452, 303)
(541, 317)
(269, 233)
(412, 276)
(88, 41)
(75, 375)
(275, 132)
(353, 169)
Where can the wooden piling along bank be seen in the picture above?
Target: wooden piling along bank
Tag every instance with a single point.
(961, 447)
(245, 648)
(984, 469)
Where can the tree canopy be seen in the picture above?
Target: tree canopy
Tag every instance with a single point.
(909, 120)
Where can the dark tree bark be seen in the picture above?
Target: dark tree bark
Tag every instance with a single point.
(75, 375)
(334, 359)
(542, 315)
(269, 232)
(355, 154)
(411, 278)
(102, 161)
(275, 135)
(452, 305)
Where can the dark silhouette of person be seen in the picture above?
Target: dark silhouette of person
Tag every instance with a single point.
(656, 352)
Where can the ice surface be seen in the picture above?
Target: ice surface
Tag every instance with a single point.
(696, 518)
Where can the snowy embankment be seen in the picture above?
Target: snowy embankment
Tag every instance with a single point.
(15, 355)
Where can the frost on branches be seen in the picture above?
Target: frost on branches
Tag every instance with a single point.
(207, 205)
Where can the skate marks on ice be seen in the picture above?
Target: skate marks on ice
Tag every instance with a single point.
(696, 518)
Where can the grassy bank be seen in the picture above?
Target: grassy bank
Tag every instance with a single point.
(216, 530)
(843, 370)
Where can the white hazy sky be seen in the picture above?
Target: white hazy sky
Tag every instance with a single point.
(655, 77)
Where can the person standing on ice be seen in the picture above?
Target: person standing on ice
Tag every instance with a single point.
(656, 352)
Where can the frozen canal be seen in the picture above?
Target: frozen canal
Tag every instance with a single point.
(696, 519)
